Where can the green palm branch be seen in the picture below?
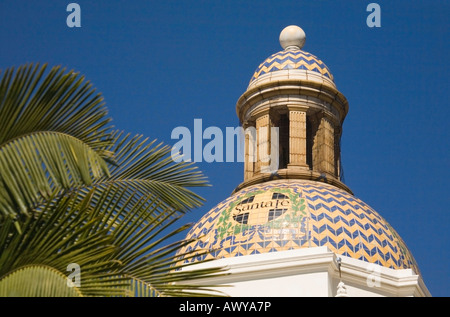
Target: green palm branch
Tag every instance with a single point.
(60, 101)
(72, 190)
(54, 135)
(145, 167)
(120, 253)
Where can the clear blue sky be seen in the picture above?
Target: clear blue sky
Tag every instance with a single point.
(160, 64)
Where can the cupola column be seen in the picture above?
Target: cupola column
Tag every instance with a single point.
(250, 150)
(297, 139)
(263, 142)
(324, 146)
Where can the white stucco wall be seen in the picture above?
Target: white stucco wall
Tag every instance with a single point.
(310, 272)
(313, 284)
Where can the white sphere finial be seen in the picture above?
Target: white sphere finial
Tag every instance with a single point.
(292, 37)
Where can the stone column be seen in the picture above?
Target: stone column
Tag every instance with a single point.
(297, 139)
(250, 151)
(323, 148)
(263, 141)
(328, 151)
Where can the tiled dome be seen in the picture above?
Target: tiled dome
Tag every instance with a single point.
(292, 63)
(292, 214)
(293, 59)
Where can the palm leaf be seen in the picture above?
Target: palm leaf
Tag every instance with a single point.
(118, 245)
(138, 228)
(145, 174)
(152, 265)
(35, 165)
(36, 281)
(145, 168)
(77, 202)
(54, 135)
(51, 237)
(60, 101)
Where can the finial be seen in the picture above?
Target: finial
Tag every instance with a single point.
(292, 37)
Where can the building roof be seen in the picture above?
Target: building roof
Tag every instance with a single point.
(289, 60)
(294, 214)
(292, 62)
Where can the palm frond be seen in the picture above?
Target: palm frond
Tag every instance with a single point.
(145, 167)
(61, 101)
(115, 243)
(140, 176)
(33, 166)
(37, 281)
(81, 193)
(52, 238)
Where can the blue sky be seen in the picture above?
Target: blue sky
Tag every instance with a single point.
(161, 64)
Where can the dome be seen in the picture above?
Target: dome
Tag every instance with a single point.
(292, 62)
(292, 214)
(292, 59)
